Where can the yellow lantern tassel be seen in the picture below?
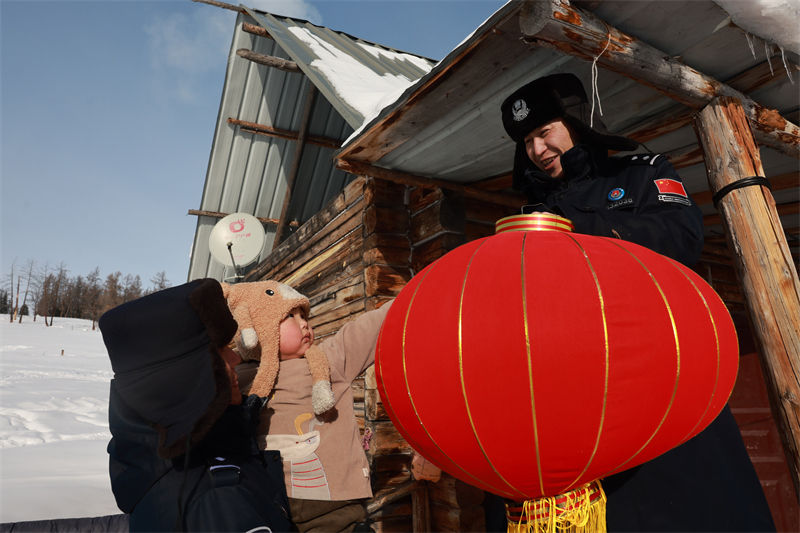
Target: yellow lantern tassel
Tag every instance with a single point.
(582, 510)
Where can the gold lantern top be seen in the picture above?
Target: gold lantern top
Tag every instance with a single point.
(534, 222)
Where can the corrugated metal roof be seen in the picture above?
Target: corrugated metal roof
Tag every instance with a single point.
(448, 125)
(247, 172)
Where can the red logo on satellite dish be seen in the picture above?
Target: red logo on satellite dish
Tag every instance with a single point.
(237, 225)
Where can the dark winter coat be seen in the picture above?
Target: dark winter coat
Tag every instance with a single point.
(182, 457)
(229, 485)
(619, 197)
(707, 483)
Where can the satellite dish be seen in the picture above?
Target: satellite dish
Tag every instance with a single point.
(236, 241)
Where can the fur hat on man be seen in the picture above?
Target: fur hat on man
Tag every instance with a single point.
(548, 98)
(259, 308)
(164, 351)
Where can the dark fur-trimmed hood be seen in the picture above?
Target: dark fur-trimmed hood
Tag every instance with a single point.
(164, 353)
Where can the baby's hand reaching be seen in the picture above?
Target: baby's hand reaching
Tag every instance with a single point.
(423, 469)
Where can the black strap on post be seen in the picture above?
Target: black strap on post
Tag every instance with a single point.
(745, 182)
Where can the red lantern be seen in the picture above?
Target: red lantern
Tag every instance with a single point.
(530, 363)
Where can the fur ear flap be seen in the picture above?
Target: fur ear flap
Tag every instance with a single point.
(264, 379)
(322, 397)
(226, 289)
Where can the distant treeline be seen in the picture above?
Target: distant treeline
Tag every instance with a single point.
(49, 291)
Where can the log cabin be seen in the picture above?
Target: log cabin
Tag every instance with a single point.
(361, 184)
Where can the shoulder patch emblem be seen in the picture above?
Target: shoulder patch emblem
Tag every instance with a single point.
(671, 187)
(616, 194)
(672, 191)
(519, 110)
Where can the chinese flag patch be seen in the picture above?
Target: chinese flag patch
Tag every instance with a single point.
(671, 187)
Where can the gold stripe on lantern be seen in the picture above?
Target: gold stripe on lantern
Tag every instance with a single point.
(534, 222)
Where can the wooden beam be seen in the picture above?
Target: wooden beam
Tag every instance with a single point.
(223, 5)
(214, 214)
(389, 496)
(680, 116)
(764, 264)
(494, 183)
(298, 156)
(685, 157)
(762, 75)
(316, 140)
(255, 30)
(573, 31)
(269, 61)
(363, 169)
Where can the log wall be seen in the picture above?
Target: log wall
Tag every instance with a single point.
(357, 253)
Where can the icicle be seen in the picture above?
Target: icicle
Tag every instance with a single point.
(750, 44)
(768, 53)
(595, 92)
(783, 55)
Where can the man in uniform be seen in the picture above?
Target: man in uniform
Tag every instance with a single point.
(562, 165)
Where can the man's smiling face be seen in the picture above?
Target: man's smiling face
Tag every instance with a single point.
(547, 143)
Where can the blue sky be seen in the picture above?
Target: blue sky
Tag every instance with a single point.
(107, 112)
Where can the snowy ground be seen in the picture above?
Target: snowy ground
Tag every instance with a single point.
(53, 421)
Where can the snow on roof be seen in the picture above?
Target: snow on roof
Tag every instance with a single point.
(774, 21)
(358, 77)
(360, 85)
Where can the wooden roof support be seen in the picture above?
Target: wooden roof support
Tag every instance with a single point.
(215, 214)
(223, 5)
(679, 116)
(298, 155)
(764, 263)
(364, 169)
(568, 29)
(269, 61)
(255, 30)
(316, 140)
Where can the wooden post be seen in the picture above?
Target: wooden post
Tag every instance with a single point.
(298, 156)
(763, 261)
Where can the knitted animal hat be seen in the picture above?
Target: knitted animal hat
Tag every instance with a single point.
(548, 98)
(164, 351)
(259, 308)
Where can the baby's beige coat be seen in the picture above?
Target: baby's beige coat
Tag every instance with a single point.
(323, 458)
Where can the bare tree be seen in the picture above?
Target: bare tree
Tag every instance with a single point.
(44, 301)
(160, 281)
(31, 266)
(13, 310)
(62, 274)
(112, 292)
(132, 288)
(93, 293)
(16, 304)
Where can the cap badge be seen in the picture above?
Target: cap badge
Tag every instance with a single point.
(616, 194)
(520, 110)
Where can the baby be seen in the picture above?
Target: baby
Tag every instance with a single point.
(325, 468)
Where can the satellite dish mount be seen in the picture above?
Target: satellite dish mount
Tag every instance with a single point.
(236, 241)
